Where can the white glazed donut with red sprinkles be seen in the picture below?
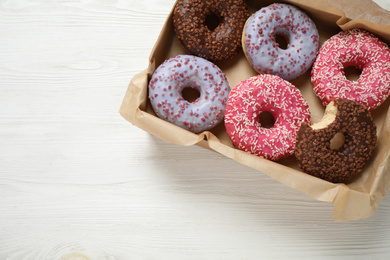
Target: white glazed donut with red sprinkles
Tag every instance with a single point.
(262, 49)
(362, 50)
(187, 71)
(259, 94)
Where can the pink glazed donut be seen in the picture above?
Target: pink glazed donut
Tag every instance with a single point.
(260, 45)
(186, 71)
(362, 50)
(263, 93)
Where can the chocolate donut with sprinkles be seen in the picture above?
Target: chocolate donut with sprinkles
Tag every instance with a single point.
(189, 72)
(271, 94)
(265, 32)
(210, 29)
(353, 48)
(337, 148)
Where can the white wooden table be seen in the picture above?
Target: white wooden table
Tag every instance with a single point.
(79, 182)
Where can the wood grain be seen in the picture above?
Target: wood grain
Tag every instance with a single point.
(79, 182)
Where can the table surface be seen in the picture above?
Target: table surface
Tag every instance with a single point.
(78, 182)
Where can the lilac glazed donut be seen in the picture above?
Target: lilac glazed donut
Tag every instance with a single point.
(186, 71)
(259, 41)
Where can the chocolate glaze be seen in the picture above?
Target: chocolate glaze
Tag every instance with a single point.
(219, 44)
(316, 157)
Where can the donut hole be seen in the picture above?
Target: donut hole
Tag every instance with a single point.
(352, 73)
(282, 41)
(190, 94)
(266, 119)
(212, 21)
(337, 141)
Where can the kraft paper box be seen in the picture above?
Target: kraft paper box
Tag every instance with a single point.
(354, 200)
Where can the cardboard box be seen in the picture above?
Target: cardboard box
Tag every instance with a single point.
(354, 200)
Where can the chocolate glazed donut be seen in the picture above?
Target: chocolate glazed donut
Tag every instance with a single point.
(210, 29)
(318, 155)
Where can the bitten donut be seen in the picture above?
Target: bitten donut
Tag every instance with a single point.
(265, 93)
(210, 29)
(347, 121)
(186, 71)
(362, 50)
(259, 41)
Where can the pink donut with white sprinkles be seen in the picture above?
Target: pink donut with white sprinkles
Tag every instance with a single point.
(260, 45)
(360, 49)
(187, 71)
(265, 93)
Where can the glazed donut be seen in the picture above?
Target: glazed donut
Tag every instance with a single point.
(210, 29)
(259, 41)
(362, 50)
(265, 93)
(354, 126)
(186, 71)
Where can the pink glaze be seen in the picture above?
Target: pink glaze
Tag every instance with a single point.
(262, 93)
(262, 50)
(362, 50)
(187, 71)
